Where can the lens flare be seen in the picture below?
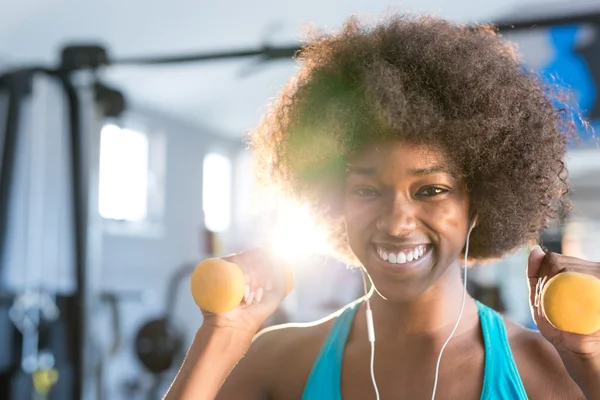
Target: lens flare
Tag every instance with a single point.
(296, 234)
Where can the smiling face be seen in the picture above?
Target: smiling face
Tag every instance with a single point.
(406, 214)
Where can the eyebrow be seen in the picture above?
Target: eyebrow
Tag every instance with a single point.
(370, 171)
(436, 169)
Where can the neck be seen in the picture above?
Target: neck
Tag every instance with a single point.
(432, 315)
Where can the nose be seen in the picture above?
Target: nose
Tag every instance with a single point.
(397, 219)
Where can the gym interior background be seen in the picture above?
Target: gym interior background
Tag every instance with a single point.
(122, 166)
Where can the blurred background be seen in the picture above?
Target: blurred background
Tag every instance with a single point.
(123, 164)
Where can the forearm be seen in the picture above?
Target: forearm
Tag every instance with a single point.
(210, 359)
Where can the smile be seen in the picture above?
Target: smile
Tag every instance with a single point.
(401, 256)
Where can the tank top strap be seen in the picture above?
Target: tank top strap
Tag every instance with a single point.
(325, 376)
(501, 378)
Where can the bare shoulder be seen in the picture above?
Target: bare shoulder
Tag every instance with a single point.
(542, 371)
(278, 363)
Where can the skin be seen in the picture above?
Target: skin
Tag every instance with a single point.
(396, 195)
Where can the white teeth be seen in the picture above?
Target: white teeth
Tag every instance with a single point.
(402, 256)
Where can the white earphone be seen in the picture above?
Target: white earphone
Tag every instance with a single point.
(371, 327)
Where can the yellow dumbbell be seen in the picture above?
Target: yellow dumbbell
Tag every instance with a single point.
(218, 285)
(571, 302)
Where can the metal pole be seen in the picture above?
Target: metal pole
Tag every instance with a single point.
(79, 201)
(18, 86)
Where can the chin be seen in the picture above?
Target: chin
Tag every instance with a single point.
(400, 292)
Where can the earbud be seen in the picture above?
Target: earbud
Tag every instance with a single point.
(474, 223)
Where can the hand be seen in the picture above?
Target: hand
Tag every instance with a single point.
(580, 353)
(267, 284)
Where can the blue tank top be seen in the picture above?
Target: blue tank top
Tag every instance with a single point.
(501, 379)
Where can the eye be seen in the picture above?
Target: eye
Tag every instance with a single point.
(431, 191)
(365, 192)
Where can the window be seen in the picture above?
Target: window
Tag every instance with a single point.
(124, 173)
(216, 192)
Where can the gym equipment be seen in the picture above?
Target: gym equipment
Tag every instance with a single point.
(571, 302)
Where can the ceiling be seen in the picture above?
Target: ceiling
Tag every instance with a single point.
(228, 96)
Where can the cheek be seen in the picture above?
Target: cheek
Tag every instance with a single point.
(447, 216)
(358, 217)
(450, 220)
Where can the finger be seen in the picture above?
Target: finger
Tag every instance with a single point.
(533, 266)
(268, 274)
(258, 283)
(582, 266)
(254, 272)
(552, 264)
(540, 267)
(250, 276)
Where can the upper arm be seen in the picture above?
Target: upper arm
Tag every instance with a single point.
(540, 367)
(248, 379)
(277, 365)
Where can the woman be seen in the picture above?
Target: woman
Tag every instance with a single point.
(419, 143)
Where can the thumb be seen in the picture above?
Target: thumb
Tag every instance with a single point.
(536, 256)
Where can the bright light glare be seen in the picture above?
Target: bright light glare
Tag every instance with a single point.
(296, 234)
(123, 180)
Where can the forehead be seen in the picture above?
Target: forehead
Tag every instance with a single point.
(388, 154)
